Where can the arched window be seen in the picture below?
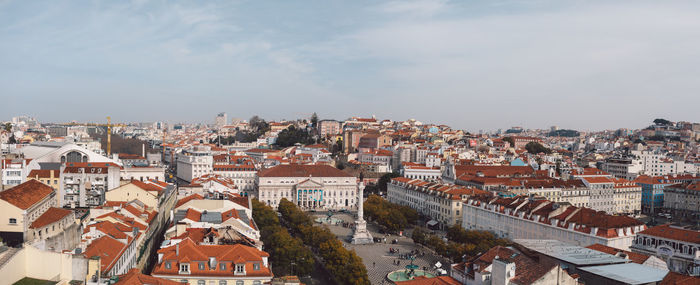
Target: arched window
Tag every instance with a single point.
(74, 156)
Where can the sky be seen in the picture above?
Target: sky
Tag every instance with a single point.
(473, 65)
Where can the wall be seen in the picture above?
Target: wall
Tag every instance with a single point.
(33, 263)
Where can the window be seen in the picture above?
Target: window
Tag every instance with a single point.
(222, 266)
(239, 282)
(185, 268)
(201, 282)
(239, 268)
(222, 282)
(201, 266)
(256, 266)
(168, 265)
(256, 282)
(13, 221)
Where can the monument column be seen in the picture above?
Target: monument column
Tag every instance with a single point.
(361, 235)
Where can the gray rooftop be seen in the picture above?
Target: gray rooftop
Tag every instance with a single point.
(628, 273)
(572, 254)
(211, 217)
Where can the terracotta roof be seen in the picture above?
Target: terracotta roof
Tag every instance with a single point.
(44, 173)
(598, 179)
(673, 278)
(296, 170)
(188, 251)
(669, 232)
(27, 194)
(108, 249)
(150, 185)
(633, 256)
(187, 199)
(135, 277)
(51, 216)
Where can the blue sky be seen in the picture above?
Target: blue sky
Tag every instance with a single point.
(470, 64)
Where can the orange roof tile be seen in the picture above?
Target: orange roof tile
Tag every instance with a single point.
(27, 194)
(51, 216)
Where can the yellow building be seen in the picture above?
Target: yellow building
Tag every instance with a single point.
(49, 177)
(20, 206)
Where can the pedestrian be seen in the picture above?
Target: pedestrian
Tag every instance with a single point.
(374, 264)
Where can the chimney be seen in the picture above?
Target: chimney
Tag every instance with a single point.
(177, 249)
(143, 150)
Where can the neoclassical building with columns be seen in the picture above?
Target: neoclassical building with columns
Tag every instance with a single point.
(319, 187)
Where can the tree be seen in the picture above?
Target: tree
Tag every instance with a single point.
(13, 140)
(535, 148)
(337, 147)
(509, 140)
(661, 122)
(384, 180)
(8, 127)
(418, 235)
(292, 135)
(314, 120)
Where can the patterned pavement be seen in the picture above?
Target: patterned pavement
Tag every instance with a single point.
(377, 257)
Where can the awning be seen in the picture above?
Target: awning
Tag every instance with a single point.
(432, 222)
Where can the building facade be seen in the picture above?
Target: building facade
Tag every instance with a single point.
(524, 218)
(198, 264)
(441, 202)
(308, 186)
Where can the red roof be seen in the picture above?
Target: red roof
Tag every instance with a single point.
(296, 170)
(108, 249)
(633, 256)
(669, 232)
(27, 194)
(673, 278)
(189, 251)
(44, 173)
(51, 216)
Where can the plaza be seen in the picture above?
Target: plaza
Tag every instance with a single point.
(377, 257)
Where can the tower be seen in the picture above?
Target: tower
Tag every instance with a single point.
(361, 235)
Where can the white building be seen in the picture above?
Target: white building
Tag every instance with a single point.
(683, 199)
(441, 202)
(308, 186)
(221, 120)
(85, 184)
(679, 247)
(194, 162)
(14, 172)
(523, 218)
(419, 171)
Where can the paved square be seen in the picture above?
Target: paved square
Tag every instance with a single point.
(377, 257)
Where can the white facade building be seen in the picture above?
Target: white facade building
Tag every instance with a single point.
(308, 186)
(523, 218)
(194, 162)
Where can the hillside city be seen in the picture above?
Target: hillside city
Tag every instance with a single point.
(363, 200)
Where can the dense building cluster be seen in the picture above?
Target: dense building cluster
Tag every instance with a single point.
(177, 197)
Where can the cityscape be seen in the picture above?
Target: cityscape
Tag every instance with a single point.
(355, 201)
(411, 142)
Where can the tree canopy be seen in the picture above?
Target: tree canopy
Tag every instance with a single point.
(460, 242)
(661, 122)
(535, 148)
(293, 135)
(282, 247)
(344, 265)
(509, 140)
(392, 217)
(564, 133)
